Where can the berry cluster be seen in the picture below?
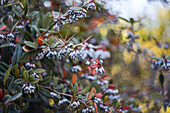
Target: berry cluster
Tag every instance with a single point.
(75, 54)
(41, 55)
(88, 110)
(111, 91)
(10, 37)
(51, 54)
(35, 75)
(97, 100)
(75, 15)
(105, 108)
(28, 88)
(91, 6)
(75, 69)
(75, 104)
(64, 100)
(2, 37)
(29, 65)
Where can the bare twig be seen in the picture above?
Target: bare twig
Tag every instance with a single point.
(55, 91)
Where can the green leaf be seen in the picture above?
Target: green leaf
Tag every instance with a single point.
(35, 81)
(36, 28)
(6, 75)
(10, 84)
(168, 57)
(44, 92)
(30, 44)
(50, 31)
(55, 81)
(46, 80)
(7, 99)
(65, 90)
(4, 65)
(118, 103)
(2, 68)
(31, 78)
(16, 96)
(48, 62)
(44, 98)
(40, 70)
(32, 14)
(158, 58)
(19, 81)
(17, 54)
(15, 10)
(22, 69)
(76, 8)
(25, 75)
(27, 35)
(5, 45)
(75, 88)
(81, 97)
(54, 45)
(24, 58)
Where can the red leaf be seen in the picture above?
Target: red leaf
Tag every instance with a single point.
(104, 75)
(89, 69)
(17, 39)
(1, 95)
(20, 65)
(94, 66)
(111, 86)
(108, 102)
(74, 78)
(64, 72)
(3, 27)
(93, 72)
(40, 42)
(2, 49)
(126, 108)
(92, 60)
(95, 106)
(99, 95)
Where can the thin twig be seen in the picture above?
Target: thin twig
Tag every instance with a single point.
(55, 91)
(88, 39)
(70, 39)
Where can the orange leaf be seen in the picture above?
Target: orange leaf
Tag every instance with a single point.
(90, 95)
(94, 91)
(40, 42)
(74, 78)
(108, 102)
(64, 72)
(20, 65)
(95, 106)
(111, 110)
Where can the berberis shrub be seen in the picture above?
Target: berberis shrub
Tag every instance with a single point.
(43, 71)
